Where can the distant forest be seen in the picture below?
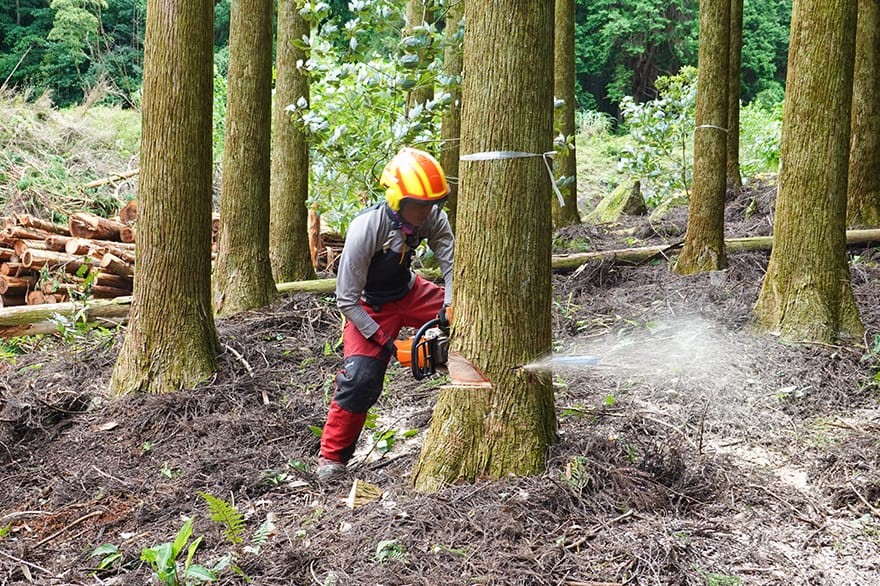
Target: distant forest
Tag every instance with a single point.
(66, 47)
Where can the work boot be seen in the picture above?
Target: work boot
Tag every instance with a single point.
(329, 470)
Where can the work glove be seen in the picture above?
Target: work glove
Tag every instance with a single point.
(444, 318)
(387, 343)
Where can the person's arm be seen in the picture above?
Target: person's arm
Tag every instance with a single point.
(442, 242)
(360, 246)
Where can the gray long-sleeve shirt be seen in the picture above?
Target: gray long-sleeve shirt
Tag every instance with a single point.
(372, 234)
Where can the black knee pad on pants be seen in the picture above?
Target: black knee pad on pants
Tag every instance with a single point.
(359, 383)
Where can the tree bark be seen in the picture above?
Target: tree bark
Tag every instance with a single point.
(450, 130)
(504, 218)
(171, 341)
(734, 177)
(863, 191)
(419, 13)
(289, 188)
(243, 272)
(807, 293)
(704, 243)
(565, 166)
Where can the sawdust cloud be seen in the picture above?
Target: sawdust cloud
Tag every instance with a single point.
(661, 350)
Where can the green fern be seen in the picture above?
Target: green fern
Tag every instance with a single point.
(261, 535)
(227, 515)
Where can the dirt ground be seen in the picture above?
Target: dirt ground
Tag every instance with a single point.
(694, 453)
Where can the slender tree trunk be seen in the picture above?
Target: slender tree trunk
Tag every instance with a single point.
(450, 131)
(288, 220)
(565, 167)
(419, 13)
(807, 292)
(502, 318)
(704, 242)
(863, 192)
(734, 177)
(171, 342)
(243, 274)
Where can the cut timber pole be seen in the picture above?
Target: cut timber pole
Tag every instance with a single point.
(563, 262)
(129, 212)
(85, 225)
(113, 264)
(32, 222)
(29, 320)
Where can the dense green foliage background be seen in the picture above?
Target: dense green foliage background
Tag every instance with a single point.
(70, 46)
(635, 82)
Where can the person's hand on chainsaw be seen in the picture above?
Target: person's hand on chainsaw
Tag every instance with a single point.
(444, 318)
(387, 343)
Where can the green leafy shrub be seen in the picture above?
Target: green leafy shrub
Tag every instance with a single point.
(357, 118)
(660, 154)
(759, 137)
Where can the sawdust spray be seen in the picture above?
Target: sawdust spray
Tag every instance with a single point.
(661, 349)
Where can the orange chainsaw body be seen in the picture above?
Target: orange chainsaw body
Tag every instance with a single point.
(425, 351)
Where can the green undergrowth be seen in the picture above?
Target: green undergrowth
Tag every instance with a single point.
(48, 155)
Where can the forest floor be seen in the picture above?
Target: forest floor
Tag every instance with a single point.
(695, 452)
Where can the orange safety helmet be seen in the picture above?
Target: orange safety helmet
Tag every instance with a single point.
(413, 175)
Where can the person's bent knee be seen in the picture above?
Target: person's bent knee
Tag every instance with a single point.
(359, 383)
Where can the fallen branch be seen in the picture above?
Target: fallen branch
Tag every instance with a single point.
(112, 179)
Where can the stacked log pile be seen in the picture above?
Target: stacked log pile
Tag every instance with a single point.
(324, 247)
(93, 257)
(44, 262)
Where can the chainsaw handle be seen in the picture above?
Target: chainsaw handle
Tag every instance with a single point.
(421, 372)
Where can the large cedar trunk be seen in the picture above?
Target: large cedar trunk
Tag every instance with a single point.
(704, 242)
(243, 273)
(563, 89)
(288, 220)
(863, 196)
(502, 317)
(807, 293)
(171, 342)
(450, 130)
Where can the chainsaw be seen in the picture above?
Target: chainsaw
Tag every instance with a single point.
(427, 350)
